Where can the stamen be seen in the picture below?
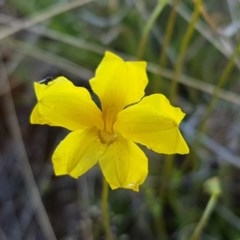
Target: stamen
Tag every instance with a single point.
(106, 137)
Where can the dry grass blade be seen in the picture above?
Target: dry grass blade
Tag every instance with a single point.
(223, 45)
(195, 83)
(40, 17)
(233, 6)
(52, 59)
(222, 152)
(47, 57)
(69, 38)
(57, 36)
(84, 73)
(35, 198)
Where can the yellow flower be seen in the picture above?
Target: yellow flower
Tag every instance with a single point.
(109, 135)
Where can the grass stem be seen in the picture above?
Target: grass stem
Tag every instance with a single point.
(221, 83)
(168, 34)
(156, 12)
(183, 49)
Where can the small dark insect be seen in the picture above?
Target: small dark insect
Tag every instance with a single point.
(46, 80)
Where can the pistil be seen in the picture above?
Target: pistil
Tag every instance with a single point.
(106, 137)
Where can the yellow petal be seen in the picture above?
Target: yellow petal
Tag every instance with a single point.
(77, 153)
(60, 103)
(124, 165)
(118, 84)
(154, 123)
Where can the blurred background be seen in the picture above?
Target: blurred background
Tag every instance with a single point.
(192, 50)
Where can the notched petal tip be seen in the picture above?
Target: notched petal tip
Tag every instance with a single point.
(118, 83)
(133, 186)
(182, 147)
(40, 88)
(130, 186)
(61, 103)
(112, 56)
(61, 171)
(124, 165)
(34, 116)
(153, 122)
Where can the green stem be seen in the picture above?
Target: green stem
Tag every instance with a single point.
(104, 207)
(148, 26)
(166, 40)
(204, 219)
(167, 174)
(183, 49)
(154, 204)
(224, 77)
(168, 34)
(165, 184)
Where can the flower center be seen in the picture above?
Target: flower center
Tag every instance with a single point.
(107, 137)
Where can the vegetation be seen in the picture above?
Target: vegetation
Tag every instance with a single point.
(192, 49)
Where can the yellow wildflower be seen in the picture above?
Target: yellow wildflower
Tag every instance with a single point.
(109, 135)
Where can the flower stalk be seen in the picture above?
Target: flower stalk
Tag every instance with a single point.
(105, 213)
(213, 187)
